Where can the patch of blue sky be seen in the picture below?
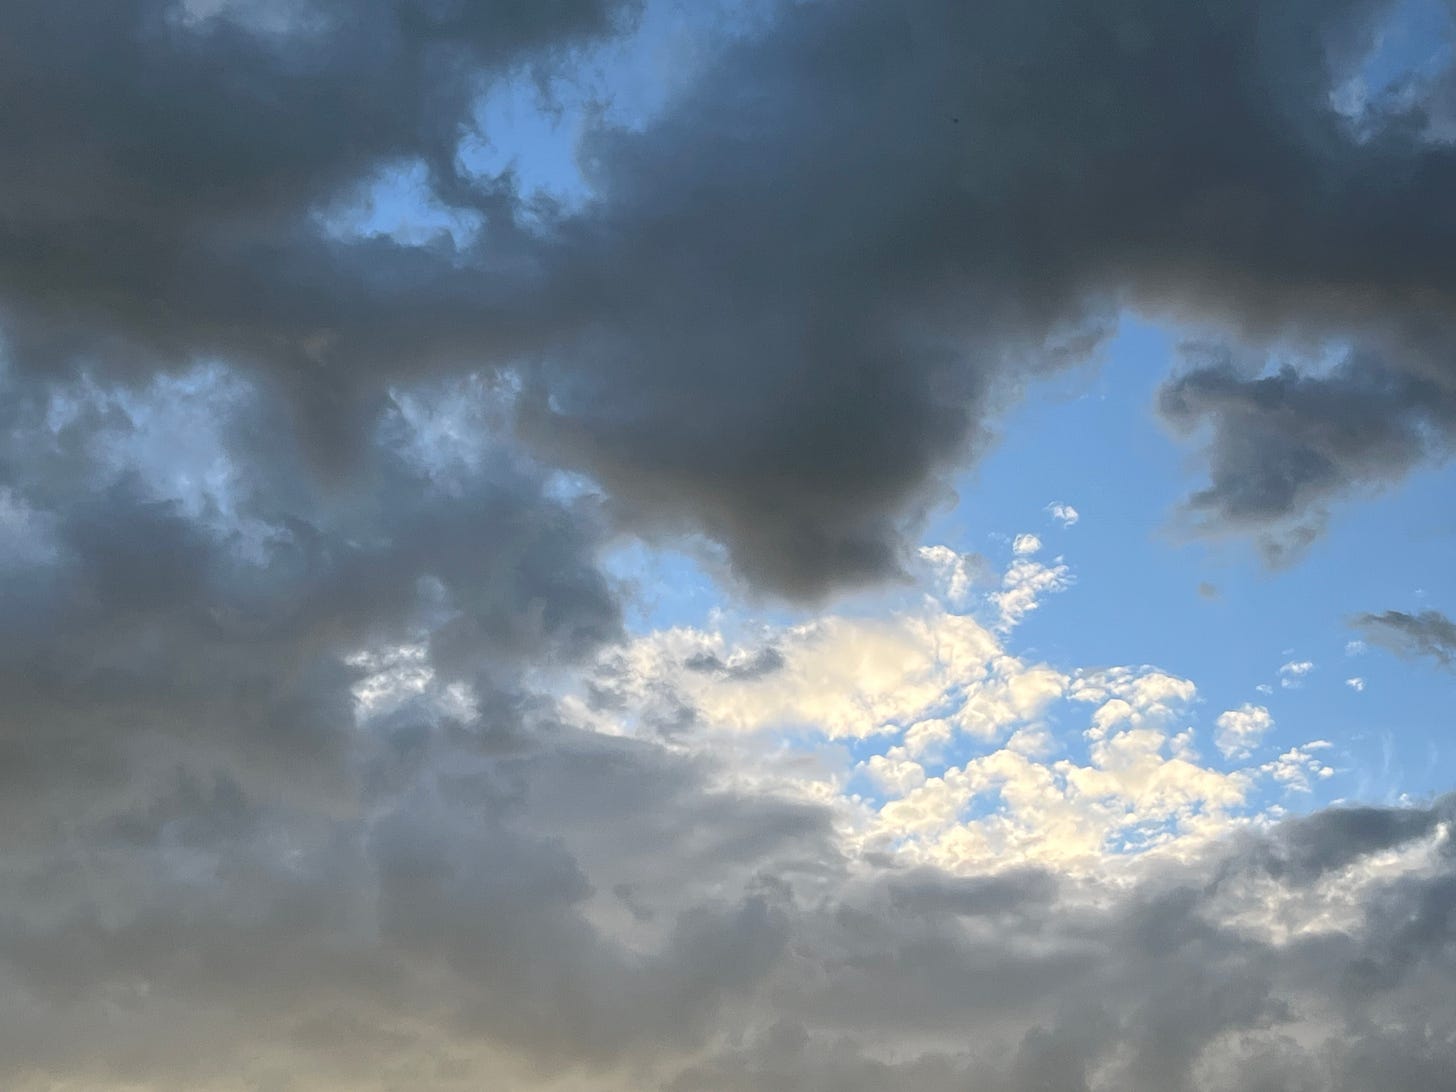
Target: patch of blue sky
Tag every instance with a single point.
(1414, 43)
(530, 123)
(1412, 47)
(399, 202)
(662, 587)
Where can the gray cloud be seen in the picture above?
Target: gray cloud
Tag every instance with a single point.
(463, 930)
(167, 177)
(764, 662)
(854, 240)
(210, 840)
(797, 298)
(1426, 633)
(150, 628)
(1284, 446)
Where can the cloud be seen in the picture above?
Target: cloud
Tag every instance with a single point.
(1023, 585)
(835, 676)
(486, 920)
(1426, 633)
(1064, 514)
(1241, 729)
(1296, 766)
(959, 572)
(1284, 446)
(1355, 683)
(905, 231)
(327, 759)
(1025, 544)
(211, 609)
(1292, 674)
(967, 763)
(380, 793)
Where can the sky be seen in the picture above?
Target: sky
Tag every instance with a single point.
(727, 546)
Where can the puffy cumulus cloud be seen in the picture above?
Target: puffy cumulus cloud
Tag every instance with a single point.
(969, 762)
(796, 296)
(837, 677)
(1025, 544)
(1141, 786)
(926, 673)
(1298, 766)
(1241, 729)
(1427, 633)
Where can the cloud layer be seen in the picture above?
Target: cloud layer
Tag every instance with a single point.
(326, 757)
(796, 297)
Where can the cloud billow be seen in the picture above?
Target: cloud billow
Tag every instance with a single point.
(293, 597)
(797, 297)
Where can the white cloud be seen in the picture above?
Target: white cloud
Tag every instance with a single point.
(1241, 729)
(1025, 544)
(1355, 683)
(1355, 648)
(1064, 514)
(957, 573)
(895, 773)
(837, 677)
(1023, 586)
(1291, 675)
(1295, 767)
(928, 738)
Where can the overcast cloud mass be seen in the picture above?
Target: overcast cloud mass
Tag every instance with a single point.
(340, 747)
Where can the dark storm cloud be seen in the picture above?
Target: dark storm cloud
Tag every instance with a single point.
(1285, 445)
(466, 924)
(796, 299)
(141, 631)
(817, 277)
(1426, 633)
(166, 165)
(288, 798)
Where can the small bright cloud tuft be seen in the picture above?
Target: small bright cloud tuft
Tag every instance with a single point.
(1241, 729)
(1064, 514)
(1291, 675)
